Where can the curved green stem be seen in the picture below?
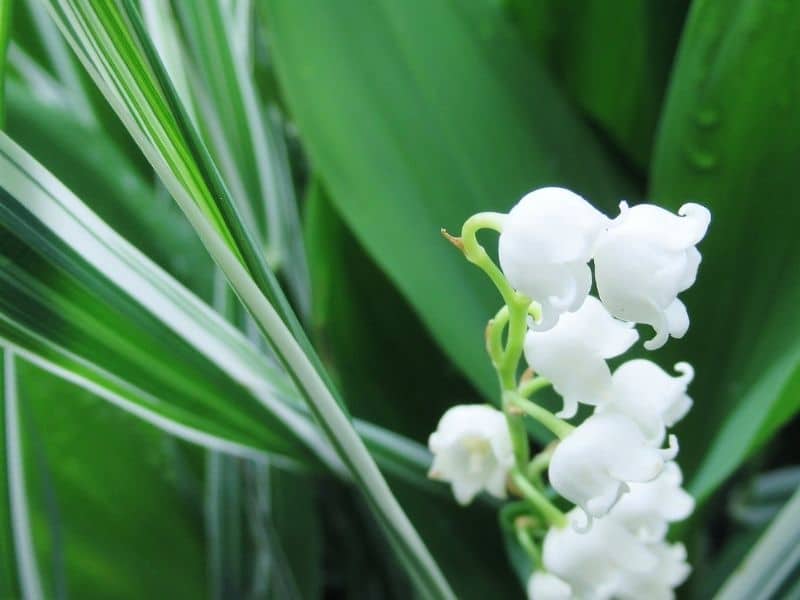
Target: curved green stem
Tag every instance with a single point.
(540, 463)
(558, 426)
(477, 255)
(531, 386)
(517, 327)
(494, 336)
(540, 502)
(528, 544)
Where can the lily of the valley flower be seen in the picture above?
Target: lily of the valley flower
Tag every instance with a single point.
(650, 396)
(472, 450)
(546, 586)
(648, 508)
(572, 355)
(547, 240)
(644, 260)
(596, 563)
(671, 571)
(593, 465)
(610, 562)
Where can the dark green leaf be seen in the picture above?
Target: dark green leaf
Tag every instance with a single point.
(611, 59)
(730, 138)
(413, 128)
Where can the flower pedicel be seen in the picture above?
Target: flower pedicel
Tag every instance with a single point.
(612, 467)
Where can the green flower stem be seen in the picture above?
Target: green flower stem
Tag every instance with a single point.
(531, 386)
(519, 438)
(539, 501)
(494, 336)
(517, 327)
(558, 426)
(477, 255)
(540, 463)
(528, 544)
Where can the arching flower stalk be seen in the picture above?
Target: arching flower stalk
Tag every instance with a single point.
(610, 466)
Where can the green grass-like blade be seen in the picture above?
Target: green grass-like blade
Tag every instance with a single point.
(110, 40)
(772, 563)
(18, 515)
(110, 327)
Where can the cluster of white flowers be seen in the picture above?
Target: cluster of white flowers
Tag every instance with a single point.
(624, 554)
(613, 466)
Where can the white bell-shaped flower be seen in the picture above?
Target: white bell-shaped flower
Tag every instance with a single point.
(472, 450)
(648, 508)
(547, 240)
(671, 570)
(650, 396)
(547, 586)
(593, 465)
(572, 355)
(596, 563)
(644, 260)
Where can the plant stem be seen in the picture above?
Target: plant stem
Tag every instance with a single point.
(494, 336)
(519, 438)
(477, 255)
(517, 327)
(539, 501)
(531, 386)
(529, 545)
(558, 426)
(540, 463)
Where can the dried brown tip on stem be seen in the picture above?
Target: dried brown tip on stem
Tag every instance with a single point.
(524, 522)
(527, 375)
(514, 410)
(456, 241)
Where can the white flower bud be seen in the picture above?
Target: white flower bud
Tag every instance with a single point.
(648, 508)
(547, 240)
(546, 586)
(592, 466)
(472, 450)
(596, 562)
(572, 354)
(650, 396)
(644, 260)
(671, 570)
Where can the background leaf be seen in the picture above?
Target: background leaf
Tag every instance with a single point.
(613, 63)
(125, 66)
(82, 498)
(433, 124)
(770, 568)
(728, 138)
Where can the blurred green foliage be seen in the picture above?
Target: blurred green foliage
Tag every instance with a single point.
(401, 117)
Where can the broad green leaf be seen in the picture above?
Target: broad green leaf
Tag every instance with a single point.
(114, 503)
(729, 138)
(109, 39)
(772, 566)
(394, 373)
(415, 127)
(612, 60)
(388, 367)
